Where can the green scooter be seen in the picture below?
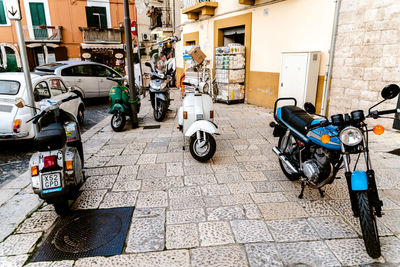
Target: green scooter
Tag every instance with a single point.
(120, 104)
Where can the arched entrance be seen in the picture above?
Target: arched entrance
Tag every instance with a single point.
(10, 59)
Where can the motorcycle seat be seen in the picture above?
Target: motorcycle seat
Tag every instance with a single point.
(296, 117)
(51, 137)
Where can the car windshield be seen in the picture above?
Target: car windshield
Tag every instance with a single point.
(9, 87)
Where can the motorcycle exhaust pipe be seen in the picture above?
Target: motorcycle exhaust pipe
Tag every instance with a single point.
(284, 159)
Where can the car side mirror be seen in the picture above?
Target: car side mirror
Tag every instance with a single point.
(19, 102)
(390, 91)
(309, 108)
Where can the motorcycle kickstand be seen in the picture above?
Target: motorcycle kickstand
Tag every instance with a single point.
(321, 192)
(303, 186)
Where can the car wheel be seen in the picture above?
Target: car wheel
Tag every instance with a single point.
(81, 115)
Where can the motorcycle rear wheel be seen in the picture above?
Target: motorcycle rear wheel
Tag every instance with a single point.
(368, 226)
(160, 110)
(289, 150)
(118, 121)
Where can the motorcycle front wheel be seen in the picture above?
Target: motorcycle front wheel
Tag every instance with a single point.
(289, 150)
(368, 226)
(160, 110)
(118, 121)
(201, 152)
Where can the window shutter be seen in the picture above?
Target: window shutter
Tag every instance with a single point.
(89, 17)
(103, 17)
(3, 19)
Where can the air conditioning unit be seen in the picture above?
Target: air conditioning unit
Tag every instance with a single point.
(145, 37)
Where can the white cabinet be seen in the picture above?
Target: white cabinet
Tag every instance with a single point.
(299, 76)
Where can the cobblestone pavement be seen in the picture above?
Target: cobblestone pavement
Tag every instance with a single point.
(238, 209)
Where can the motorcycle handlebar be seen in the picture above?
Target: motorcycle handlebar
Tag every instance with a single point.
(375, 114)
(321, 124)
(69, 98)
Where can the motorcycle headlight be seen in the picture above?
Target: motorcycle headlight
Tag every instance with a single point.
(351, 136)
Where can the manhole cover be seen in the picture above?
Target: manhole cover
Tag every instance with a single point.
(395, 152)
(86, 233)
(151, 127)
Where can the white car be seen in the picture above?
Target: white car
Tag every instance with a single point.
(91, 77)
(13, 120)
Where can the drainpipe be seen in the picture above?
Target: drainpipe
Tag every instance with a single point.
(328, 75)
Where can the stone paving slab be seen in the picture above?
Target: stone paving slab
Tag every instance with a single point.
(237, 209)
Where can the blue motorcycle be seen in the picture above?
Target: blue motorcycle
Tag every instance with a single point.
(314, 150)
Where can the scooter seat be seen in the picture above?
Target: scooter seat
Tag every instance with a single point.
(50, 137)
(296, 117)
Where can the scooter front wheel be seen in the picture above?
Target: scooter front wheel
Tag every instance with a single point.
(118, 121)
(202, 151)
(160, 110)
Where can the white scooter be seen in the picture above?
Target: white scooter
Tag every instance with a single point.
(56, 169)
(196, 120)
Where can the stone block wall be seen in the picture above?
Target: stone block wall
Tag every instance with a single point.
(367, 55)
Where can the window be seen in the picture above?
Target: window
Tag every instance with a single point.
(57, 87)
(3, 18)
(9, 87)
(96, 17)
(67, 72)
(41, 91)
(38, 21)
(84, 70)
(103, 72)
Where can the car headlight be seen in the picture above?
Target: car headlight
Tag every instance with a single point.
(351, 136)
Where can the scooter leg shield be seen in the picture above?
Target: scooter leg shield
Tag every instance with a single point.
(201, 125)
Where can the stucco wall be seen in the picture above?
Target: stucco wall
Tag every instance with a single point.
(287, 26)
(367, 55)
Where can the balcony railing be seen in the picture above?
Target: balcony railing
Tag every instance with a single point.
(97, 35)
(43, 33)
(160, 17)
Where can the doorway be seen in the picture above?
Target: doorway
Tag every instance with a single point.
(234, 35)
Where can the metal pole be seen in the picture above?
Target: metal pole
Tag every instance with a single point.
(131, 74)
(25, 68)
(140, 59)
(328, 75)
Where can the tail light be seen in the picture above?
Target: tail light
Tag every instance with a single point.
(185, 115)
(211, 114)
(69, 165)
(16, 126)
(109, 99)
(34, 171)
(50, 162)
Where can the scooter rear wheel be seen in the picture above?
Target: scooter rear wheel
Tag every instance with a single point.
(62, 207)
(118, 121)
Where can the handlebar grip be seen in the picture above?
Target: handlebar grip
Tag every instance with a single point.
(69, 98)
(389, 111)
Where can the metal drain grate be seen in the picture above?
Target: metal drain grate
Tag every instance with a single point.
(87, 233)
(395, 152)
(147, 127)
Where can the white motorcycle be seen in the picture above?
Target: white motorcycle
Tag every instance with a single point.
(196, 120)
(56, 169)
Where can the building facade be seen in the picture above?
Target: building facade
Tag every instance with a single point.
(367, 55)
(267, 29)
(57, 30)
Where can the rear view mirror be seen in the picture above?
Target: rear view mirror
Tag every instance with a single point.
(19, 102)
(390, 91)
(309, 108)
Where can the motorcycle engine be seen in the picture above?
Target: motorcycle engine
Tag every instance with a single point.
(318, 168)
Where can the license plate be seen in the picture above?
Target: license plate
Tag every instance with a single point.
(51, 180)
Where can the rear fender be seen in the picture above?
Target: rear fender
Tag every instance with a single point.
(202, 125)
(359, 181)
(279, 130)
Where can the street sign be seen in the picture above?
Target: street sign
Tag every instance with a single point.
(133, 28)
(13, 10)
